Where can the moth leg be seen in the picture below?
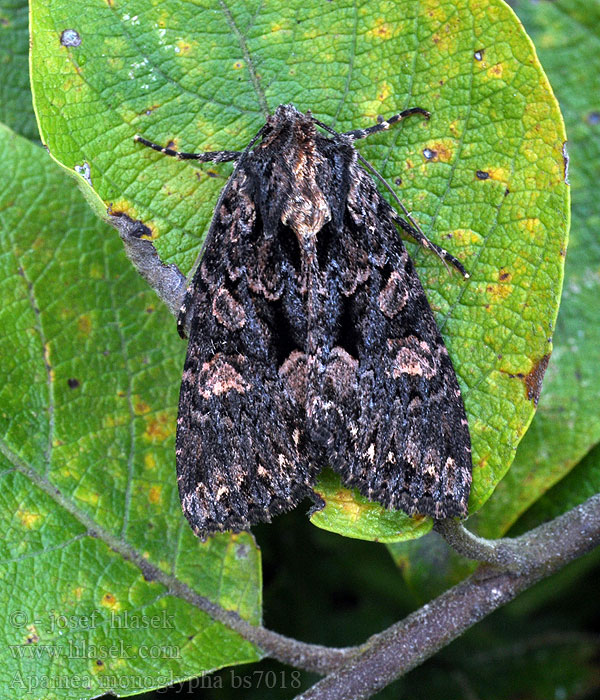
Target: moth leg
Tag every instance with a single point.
(206, 157)
(385, 124)
(422, 240)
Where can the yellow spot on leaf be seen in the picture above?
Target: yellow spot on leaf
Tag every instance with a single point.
(381, 30)
(500, 174)
(531, 226)
(87, 496)
(464, 236)
(499, 291)
(109, 601)
(28, 519)
(96, 272)
(454, 127)
(154, 494)
(348, 506)
(384, 92)
(238, 65)
(435, 10)
(183, 46)
(141, 407)
(78, 592)
(440, 150)
(159, 427)
(495, 71)
(149, 461)
(84, 324)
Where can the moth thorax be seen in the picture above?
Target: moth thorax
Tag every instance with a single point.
(306, 210)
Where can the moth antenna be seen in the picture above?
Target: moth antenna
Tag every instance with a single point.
(412, 228)
(205, 157)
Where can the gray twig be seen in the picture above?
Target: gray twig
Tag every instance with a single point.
(403, 646)
(166, 280)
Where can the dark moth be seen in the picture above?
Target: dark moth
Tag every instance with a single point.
(311, 342)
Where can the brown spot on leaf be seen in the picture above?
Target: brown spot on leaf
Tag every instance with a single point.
(159, 427)
(84, 324)
(533, 380)
(438, 152)
(109, 601)
(154, 494)
(141, 407)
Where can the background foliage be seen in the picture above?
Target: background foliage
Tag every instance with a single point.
(84, 398)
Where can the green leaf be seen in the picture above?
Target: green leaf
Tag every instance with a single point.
(484, 176)
(567, 425)
(88, 385)
(16, 109)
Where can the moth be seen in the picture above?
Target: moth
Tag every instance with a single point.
(311, 341)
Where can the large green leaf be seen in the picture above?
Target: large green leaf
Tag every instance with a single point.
(567, 36)
(484, 176)
(15, 97)
(88, 384)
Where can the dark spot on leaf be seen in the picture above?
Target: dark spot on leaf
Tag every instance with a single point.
(242, 551)
(149, 309)
(99, 662)
(70, 37)
(593, 118)
(533, 380)
(4, 22)
(506, 191)
(478, 55)
(504, 275)
(398, 181)
(171, 144)
(212, 173)
(482, 175)
(379, 118)
(429, 154)
(73, 383)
